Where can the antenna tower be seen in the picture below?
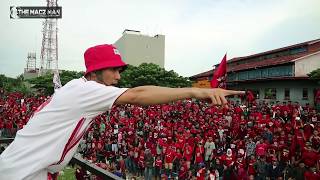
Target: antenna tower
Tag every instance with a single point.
(49, 48)
(31, 62)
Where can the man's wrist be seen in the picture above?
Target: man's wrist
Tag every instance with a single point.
(193, 92)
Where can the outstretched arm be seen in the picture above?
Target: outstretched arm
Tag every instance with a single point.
(149, 95)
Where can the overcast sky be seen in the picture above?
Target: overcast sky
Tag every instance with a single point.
(198, 32)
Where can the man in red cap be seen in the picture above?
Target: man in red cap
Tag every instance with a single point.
(50, 138)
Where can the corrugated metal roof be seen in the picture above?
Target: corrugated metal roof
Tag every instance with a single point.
(265, 62)
(275, 50)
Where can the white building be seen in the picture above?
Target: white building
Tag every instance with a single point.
(136, 48)
(276, 75)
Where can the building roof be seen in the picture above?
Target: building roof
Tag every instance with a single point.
(275, 50)
(267, 62)
(232, 65)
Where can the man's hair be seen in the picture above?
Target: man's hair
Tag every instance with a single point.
(98, 73)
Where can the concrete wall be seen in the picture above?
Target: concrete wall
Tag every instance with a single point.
(136, 49)
(295, 86)
(307, 64)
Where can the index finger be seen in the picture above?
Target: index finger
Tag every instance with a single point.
(232, 92)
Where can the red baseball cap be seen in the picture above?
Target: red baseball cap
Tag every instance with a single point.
(101, 57)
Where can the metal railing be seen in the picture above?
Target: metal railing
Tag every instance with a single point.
(76, 159)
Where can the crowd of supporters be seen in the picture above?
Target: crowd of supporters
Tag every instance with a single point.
(191, 140)
(15, 111)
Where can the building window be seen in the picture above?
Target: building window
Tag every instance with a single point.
(305, 93)
(270, 93)
(286, 93)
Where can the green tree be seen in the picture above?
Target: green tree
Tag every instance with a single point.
(44, 83)
(14, 84)
(315, 74)
(145, 74)
(6, 83)
(151, 74)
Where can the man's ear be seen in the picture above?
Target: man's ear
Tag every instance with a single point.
(91, 76)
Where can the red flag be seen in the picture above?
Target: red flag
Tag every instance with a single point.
(250, 96)
(220, 75)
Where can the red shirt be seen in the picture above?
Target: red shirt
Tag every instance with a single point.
(309, 157)
(300, 139)
(169, 156)
(228, 160)
(188, 153)
(1, 124)
(122, 165)
(261, 149)
(158, 163)
(183, 171)
(311, 176)
(199, 154)
(9, 125)
(308, 129)
(178, 155)
(241, 163)
(201, 174)
(20, 125)
(251, 169)
(285, 108)
(191, 141)
(180, 143)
